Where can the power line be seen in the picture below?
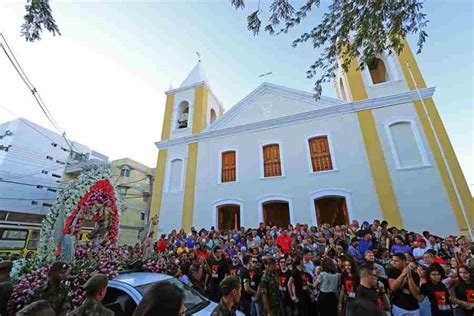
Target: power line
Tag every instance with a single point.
(28, 124)
(17, 176)
(14, 61)
(25, 199)
(32, 90)
(16, 65)
(122, 184)
(29, 184)
(24, 157)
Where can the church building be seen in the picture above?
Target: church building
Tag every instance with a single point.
(279, 156)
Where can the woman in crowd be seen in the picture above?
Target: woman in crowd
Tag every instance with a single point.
(436, 292)
(464, 292)
(347, 285)
(327, 283)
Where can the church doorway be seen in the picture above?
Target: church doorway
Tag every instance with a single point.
(228, 217)
(331, 210)
(276, 213)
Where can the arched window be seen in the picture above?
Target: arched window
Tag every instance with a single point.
(183, 113)
(213, 115)
(343, 91)
(377, 70)
(175, 175)
(405, 146)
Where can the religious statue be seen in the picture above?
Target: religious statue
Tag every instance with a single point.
(103, 220)
(68, 248)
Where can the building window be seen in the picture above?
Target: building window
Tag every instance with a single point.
(125, 171)
(49, 157)
(34, 202)
(56, 175)
(183, 114)
(47, 205)
(271, 161)
(64, 149)
(229, 166)
(405, 146)
(60, 162)
(54, 144)
(142, 216)
(39, 187)
(175, 175)
(52, 190)
(44, 172)
(122, 190)
(343, 91)
(213, 115)
(377, 70)
(320, 153)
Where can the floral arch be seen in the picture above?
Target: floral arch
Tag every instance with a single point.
(93, 193)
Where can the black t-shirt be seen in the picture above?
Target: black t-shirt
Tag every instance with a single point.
(402, 296)
(366, 293)
(439, 298)
(244, 275)
(233, 269)
(301, 279)
(255, 276)
(219, 268)
(465, 292)
(283, 278)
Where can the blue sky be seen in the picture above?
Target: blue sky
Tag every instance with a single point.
(104, 78)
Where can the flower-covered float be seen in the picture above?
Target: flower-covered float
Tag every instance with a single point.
(92, 196)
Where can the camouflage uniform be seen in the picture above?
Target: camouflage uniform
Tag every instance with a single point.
(222, 310)
(58, 297)
(230, 282)
(91, 307)
(269, 286)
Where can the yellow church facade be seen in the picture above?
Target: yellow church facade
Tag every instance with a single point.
(279, 156)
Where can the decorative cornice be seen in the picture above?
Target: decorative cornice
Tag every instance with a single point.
(265, 87)
(340, 109)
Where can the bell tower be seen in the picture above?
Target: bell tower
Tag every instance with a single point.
(391, 74)
(189, 110)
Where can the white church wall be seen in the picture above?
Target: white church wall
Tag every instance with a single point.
(171, 210)
(212, 104)
(420, 193)
(352, 175)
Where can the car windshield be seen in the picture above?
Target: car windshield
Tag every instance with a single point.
(192, 299)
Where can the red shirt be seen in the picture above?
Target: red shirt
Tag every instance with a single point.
(161, 245)
(285, 242)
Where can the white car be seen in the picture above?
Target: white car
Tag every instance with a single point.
(126, 291)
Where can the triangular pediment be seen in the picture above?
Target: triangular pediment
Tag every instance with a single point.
(268, 102)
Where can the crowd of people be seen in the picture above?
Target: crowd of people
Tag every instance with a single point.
(367, 269)
(347, 270)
